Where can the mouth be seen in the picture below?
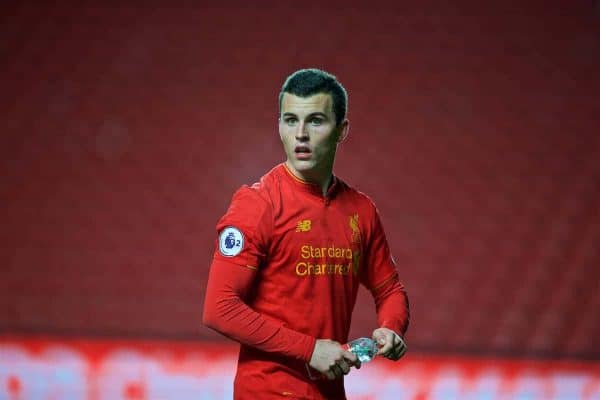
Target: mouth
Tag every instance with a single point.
(302, 152)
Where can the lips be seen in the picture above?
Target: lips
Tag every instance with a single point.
(302, 149)
(302, 152)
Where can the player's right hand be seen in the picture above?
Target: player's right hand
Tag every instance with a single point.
(331, 359)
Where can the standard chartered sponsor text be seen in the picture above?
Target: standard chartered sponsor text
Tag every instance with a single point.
(318, 260)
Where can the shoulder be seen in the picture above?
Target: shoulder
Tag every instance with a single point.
(356, 197)
(259, 193)
(254, 200)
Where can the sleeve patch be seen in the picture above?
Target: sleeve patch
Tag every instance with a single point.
(231, 241)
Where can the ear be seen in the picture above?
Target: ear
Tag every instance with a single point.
(343, 131)
(279, 128)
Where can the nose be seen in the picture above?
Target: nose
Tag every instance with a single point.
(302, 132)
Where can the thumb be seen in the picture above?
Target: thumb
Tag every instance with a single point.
(350, 356)
(379, 338)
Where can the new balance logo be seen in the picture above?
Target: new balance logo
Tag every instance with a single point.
(303, 226)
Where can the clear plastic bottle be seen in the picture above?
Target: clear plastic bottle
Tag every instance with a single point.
(364, 348)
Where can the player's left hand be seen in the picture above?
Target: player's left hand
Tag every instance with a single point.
(391, 345)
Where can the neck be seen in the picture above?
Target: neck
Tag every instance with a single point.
(321, 179)
(325, 185)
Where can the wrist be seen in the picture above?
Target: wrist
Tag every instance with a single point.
(309, 349)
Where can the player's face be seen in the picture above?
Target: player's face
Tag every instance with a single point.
(310, 135)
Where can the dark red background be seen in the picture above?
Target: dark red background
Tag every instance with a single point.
(475, 128)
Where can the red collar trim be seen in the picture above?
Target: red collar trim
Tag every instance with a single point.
(311, 187)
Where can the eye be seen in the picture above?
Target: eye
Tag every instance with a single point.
(291, 121)
(316, 121)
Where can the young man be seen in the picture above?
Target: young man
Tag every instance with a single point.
(291, 252)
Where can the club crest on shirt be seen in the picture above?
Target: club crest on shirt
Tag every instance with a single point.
(231, 241)
(356, 239)
(355, 228)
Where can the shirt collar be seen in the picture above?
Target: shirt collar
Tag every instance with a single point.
(309, 187)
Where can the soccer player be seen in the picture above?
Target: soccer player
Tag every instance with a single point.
(291, 252)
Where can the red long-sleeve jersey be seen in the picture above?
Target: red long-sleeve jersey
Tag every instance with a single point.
(285, 272)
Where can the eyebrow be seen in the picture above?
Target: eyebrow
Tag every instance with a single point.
(315, 114)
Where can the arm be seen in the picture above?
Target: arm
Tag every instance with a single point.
(391, 303)
(226, 312)
(390, 297)
(393, 315)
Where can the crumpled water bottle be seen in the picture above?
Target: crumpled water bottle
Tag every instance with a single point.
(364, 348)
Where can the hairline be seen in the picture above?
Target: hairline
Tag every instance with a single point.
(330, 94)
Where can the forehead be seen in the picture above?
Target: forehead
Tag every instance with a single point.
(321, 102)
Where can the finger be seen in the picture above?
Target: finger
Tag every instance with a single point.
(402, 350)
(344, 366)
(400, 345)
(380, 339)
(330, 375)
(395, 348)
(394, 354)
(397, 355)
(388, 345)
(385, 348)
(337, 371)
(398, 351)
(350, 356)
(357, 364)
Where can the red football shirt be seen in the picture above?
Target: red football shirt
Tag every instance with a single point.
(286, 272)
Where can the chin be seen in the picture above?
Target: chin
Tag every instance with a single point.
(303, 165)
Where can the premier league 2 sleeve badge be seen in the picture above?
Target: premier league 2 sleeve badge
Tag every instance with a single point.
(231, 241)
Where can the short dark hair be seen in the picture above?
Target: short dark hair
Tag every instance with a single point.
(311, 81)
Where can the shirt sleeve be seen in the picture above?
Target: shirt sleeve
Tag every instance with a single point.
(227, 313)
(381, 278)
(242, 245)
(244, 231)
